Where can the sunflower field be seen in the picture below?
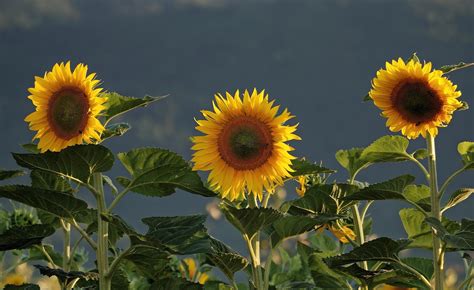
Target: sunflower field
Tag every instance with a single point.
(319, 238)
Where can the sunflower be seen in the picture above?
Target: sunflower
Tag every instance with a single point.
(413, 98)
(67, 106)
(244, 146)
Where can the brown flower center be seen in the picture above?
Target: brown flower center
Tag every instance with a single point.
(416, 101)
(68, 113)
(245, 143)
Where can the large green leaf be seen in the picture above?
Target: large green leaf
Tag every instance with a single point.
(158, 172)
(351, 160)
(386, 149)
(304, 167)
(49, 181)
(58, 203)
(6, 174)
(117, 226)
(418, 231)
(226, 259)
(118, 104)
(323, 198)
(391, 189)
(24, 237)
(323, 276)
(457, 197)
(149, 260)
(250, 220)
(288, 225)
(381, 249)
(86, 278)
(180, 234)
(77, 162)
(461, 239)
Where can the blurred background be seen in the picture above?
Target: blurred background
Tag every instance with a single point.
(316, 58)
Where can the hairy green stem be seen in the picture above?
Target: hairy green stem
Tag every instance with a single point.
(359, 228)
(436, 213)
(102, 234)
(67, 244)
(254, 244)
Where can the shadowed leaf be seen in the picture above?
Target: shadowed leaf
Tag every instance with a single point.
(24, 237)
(303, 167)
(250, 220)
(158, 172)
(77, 162)
(226, 259)
(118, 104)
(58, 203)
(6, 174)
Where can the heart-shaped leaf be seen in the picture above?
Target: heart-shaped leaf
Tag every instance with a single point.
(24, 237)
(250, 220)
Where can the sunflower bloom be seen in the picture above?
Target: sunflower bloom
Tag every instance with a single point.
(67, 106)
(414, 99)
(244, 146)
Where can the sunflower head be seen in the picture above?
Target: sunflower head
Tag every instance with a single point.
(244, 144)
(67, 107)
(414, 99)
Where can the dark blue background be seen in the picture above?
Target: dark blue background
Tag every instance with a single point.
(315, 57)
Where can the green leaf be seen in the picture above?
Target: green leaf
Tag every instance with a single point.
(6, 174)
(50, 181)
(413, 57)
(324, 244)
(323, 198)
(158, 172)
(462, 239)
(180, 234)
(386, 149)
(226, 259)
(452, 67)
(77, 162)
(367, 98)
(31, 147)
(303, 167)
(118, 104)
(36, 254)
(175, 283)
(391, 189)
(466, 150)
(117, 226)
(421, 154)
(115, 130)
(149, 260)
(457, 197)
(24, 237)
(351, 160)
(250, 220)
(418, 231)
(381, 249)
(58, 203)
(22, 287)
(323, 276)
(288, 226)
(422, 265)
(68, 277)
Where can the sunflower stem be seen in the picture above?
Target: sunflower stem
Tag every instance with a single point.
(102, 234)
(255, 245)
(67, 244)
(438, 258)
(359, 228)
